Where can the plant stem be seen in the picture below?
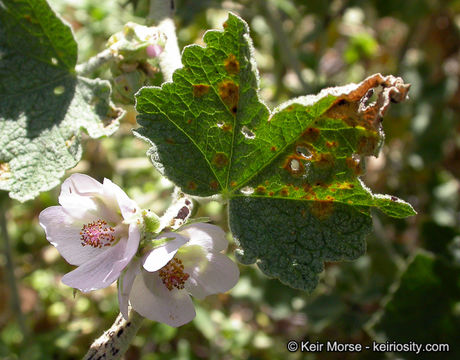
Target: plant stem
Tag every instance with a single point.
(15, 299)
(115, 341)
(96, 61)
(161, 13)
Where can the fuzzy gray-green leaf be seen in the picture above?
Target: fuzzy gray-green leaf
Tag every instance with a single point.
(43, 104)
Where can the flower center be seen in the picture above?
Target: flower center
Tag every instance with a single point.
(173, 275)
(97, 234)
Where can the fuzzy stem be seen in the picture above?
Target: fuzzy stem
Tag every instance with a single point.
(115, 341)
(96, 61)
(161, 12)
(15, 299)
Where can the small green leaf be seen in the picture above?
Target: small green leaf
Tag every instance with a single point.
(291, 175)
(43, 104)
(424, 307)
(151, 221)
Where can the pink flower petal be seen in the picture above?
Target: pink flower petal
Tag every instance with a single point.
(80, 184)
(151, 299)
(125, 284)
(127, 206)
(93, 212)
(219, 275)
(153, 50)
(161, 255)
(208, 236)
(100, 271)
(77, 196)
(129, 250)
(63, 232)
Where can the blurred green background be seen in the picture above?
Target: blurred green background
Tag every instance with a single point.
(407, 286)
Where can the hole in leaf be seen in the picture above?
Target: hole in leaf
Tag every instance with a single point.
(248, 134)
(59, 90)
(303, 151)
(54, 61)
(371, 97)
(295, 165)
(247, 190)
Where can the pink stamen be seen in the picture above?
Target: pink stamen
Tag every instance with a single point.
(173, 275)
(97, 234)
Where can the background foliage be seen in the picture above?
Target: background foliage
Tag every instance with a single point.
(301, 47)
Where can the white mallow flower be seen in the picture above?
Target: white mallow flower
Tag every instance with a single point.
(97, 228)
(183, 263)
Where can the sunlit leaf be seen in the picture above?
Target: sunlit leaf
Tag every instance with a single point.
(291, 175)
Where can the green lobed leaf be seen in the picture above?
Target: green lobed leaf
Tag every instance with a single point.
(423, 307)
(291, 175)
(43, 104)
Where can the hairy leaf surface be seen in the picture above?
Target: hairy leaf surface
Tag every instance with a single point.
(43, 104)
(291, 175)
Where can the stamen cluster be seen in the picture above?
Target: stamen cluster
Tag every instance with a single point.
(173, 275)
(97, 234)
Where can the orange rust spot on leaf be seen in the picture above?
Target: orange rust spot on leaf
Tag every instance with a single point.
(200, 90)
(273, 148)
(367, 145)
(220, 160)
(290, 108)
(192, 185)
(354, 165)
(225, 25)
(189, 121)
(322, 209)
(323, 160)
(261, 189)
(345, 186)
(214, 185)
(309, 190)
(232, 65)
(271, 193)
(284, 191)
(311, 135)
(227, 127)
(329, 198)
(233, 184)
(331, 144)
(229, 93)
(348, 112)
